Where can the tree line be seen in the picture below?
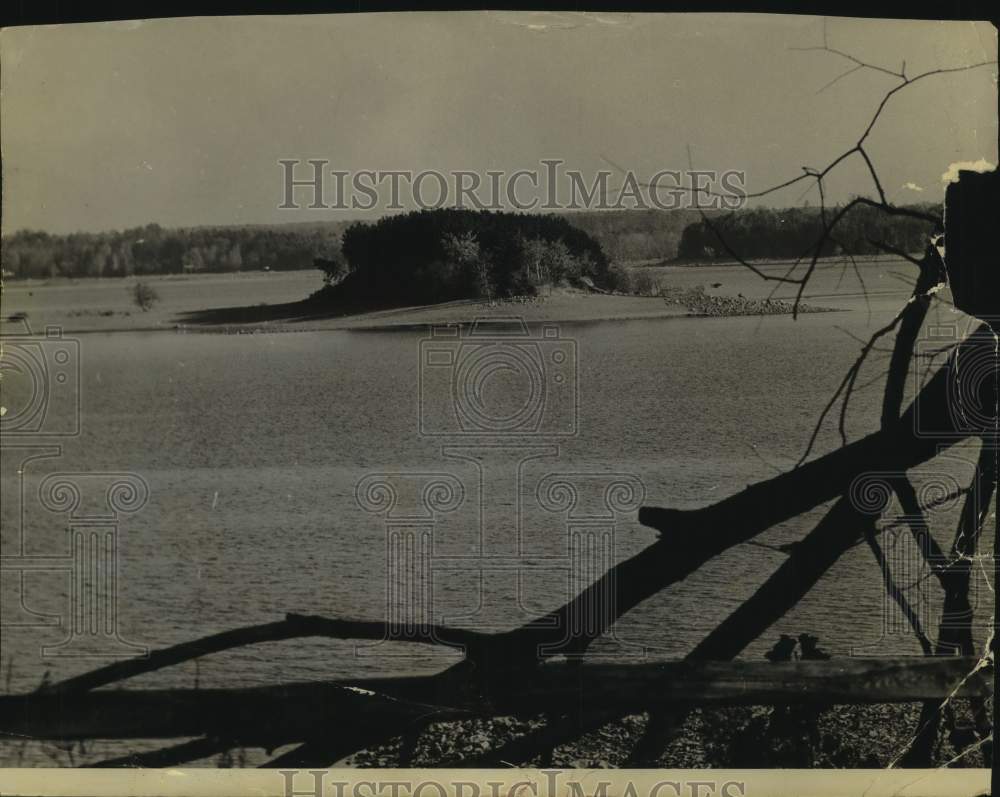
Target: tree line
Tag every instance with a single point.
(154, 250)
(579, 241)
(765, 233)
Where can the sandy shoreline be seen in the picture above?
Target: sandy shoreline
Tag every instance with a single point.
(264, 303)
(575, 308)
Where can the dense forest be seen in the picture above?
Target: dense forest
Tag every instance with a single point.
(437, 255)
(623, 235)
(779, 234)
(620, 236)
(154, 250)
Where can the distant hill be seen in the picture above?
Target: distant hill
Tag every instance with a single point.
(767, 233)
(623, 235)
(154, 250)
(627, 235)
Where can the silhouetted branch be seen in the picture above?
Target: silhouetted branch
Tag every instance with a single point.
(294, 626)
(818, 175)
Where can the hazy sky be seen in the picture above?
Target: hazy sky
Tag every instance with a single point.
(183, 122)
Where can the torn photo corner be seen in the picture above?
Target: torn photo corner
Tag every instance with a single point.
(499, 402)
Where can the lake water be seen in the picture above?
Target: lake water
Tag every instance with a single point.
(252, 447)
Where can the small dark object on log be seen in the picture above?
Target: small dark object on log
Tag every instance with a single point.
(811, 650)
(783, 650)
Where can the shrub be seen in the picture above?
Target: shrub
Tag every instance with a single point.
(144, 295)
(334, 268)
(645, 284)
(620, 279)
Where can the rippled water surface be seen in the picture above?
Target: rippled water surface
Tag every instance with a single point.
(253, 447)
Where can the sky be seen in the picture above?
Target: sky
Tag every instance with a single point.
(184, 122)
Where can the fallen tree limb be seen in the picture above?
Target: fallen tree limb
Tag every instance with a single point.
(275, 715)
(813, 556)
(807, 562)
(689, 538)
(294, 626)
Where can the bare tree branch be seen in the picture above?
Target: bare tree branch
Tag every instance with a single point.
(294, 626)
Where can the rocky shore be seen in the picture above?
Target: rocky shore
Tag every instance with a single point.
(867, 737)
(698, 302)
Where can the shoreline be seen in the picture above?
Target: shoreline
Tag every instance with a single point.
(366, 322)
(261, 302)
(272, 274)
